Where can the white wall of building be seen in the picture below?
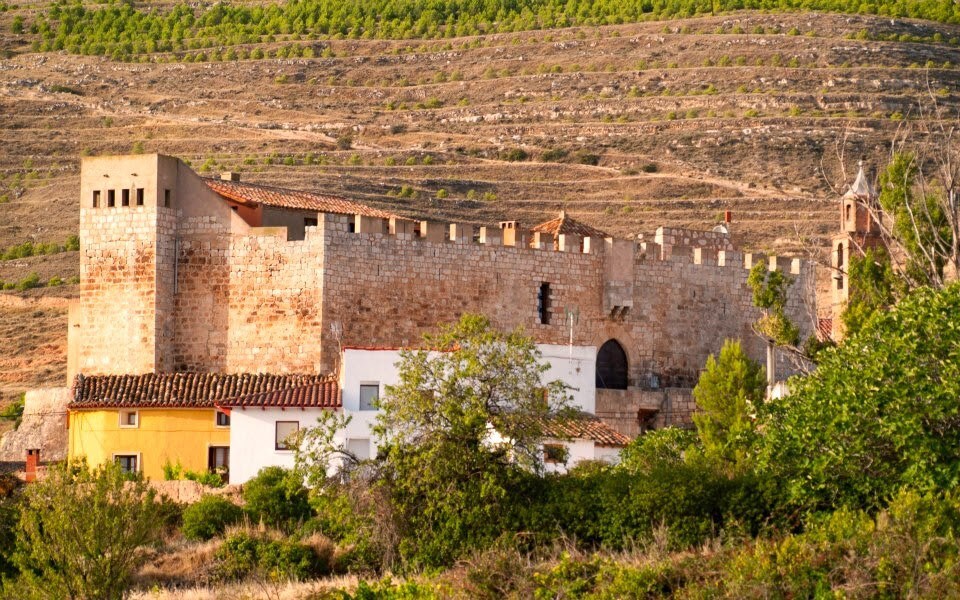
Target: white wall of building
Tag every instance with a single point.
(253, 439)
(253, 430)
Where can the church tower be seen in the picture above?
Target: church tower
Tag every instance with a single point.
(859, 231)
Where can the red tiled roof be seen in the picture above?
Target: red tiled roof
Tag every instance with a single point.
(322, 394)
(568, 226)
(585, 427)
(825, 329)
(203, 390)
(249, 193)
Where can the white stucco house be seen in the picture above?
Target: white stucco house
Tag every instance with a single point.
(259, 426)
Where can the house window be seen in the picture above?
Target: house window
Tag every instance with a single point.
(285, 430)
(124, 197)
(359, 448)
(166, 198)
(369, 394)
(849, 207)
(218, 458)
(96, 198)
(352, 227)
(129, 463)
(129, 419)
(310, 222)
(554, 453)
(223, 419)
(139, 196)
(543, 303)
(111, 198)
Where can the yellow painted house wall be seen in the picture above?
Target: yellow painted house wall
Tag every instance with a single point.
(162, 435)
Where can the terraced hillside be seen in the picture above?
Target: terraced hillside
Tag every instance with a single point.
(626, 126)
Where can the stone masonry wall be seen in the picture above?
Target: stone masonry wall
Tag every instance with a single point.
(387, 290)
(193, 287)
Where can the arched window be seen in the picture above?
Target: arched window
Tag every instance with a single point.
(849, 209)
(840, 272)
(611, 366)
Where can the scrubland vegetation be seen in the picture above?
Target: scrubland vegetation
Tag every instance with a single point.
(846, 486)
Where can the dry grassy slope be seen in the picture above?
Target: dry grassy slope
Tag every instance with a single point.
(745, 131)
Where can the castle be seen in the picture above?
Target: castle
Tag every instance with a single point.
(181, 273)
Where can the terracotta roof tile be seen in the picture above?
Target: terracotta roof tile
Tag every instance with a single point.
(283, 198)
(568, 226)
(203, 390)
(586, 427)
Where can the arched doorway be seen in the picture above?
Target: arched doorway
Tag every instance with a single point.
(611, 366)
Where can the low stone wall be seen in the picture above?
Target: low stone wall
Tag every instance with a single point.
(185, 491)
(631, 411)
(44, 427)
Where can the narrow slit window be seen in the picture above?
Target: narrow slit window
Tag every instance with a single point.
(543, 303)
(124, 197)
(111, 198)
(96, 198)
(139, 196)
(166, 198)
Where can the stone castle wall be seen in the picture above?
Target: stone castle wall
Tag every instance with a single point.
(194, 287)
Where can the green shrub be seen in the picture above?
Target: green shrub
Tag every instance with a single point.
(586, 158)
(209, 517)
(554, 155)
(29, 282)
(243, 555)
(277, 497)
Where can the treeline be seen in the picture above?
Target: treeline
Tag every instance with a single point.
(120, 30)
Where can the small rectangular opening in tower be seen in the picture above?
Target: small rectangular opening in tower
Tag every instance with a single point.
(139, 196)
(166, 198)
(124, 197)
(543, 303)
(96, 198)
(111, 198)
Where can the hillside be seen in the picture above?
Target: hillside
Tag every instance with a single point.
(626, 126)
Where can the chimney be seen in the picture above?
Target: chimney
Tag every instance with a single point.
(230, 176)
(33, 461)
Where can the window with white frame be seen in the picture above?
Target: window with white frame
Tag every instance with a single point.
(285, 431)
(129, 463)
(369, 394)
(129, 419)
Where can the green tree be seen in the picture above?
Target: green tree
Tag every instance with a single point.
(872, 287)
(879, 413)
(770, 295)
(925, 215)
(729, 393)
(463, 424)
(80, 531)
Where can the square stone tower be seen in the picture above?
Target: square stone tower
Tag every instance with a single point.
(123, 321)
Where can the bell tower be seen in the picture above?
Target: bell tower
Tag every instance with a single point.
(859, 230)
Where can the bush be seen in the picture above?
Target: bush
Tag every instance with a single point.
(277, 497)
(243, 555)
(585, 158)
(29, 282)
(554, 155)
(209, 517)
(81, 530)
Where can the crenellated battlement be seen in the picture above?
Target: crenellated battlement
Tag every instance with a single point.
(235, 277)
